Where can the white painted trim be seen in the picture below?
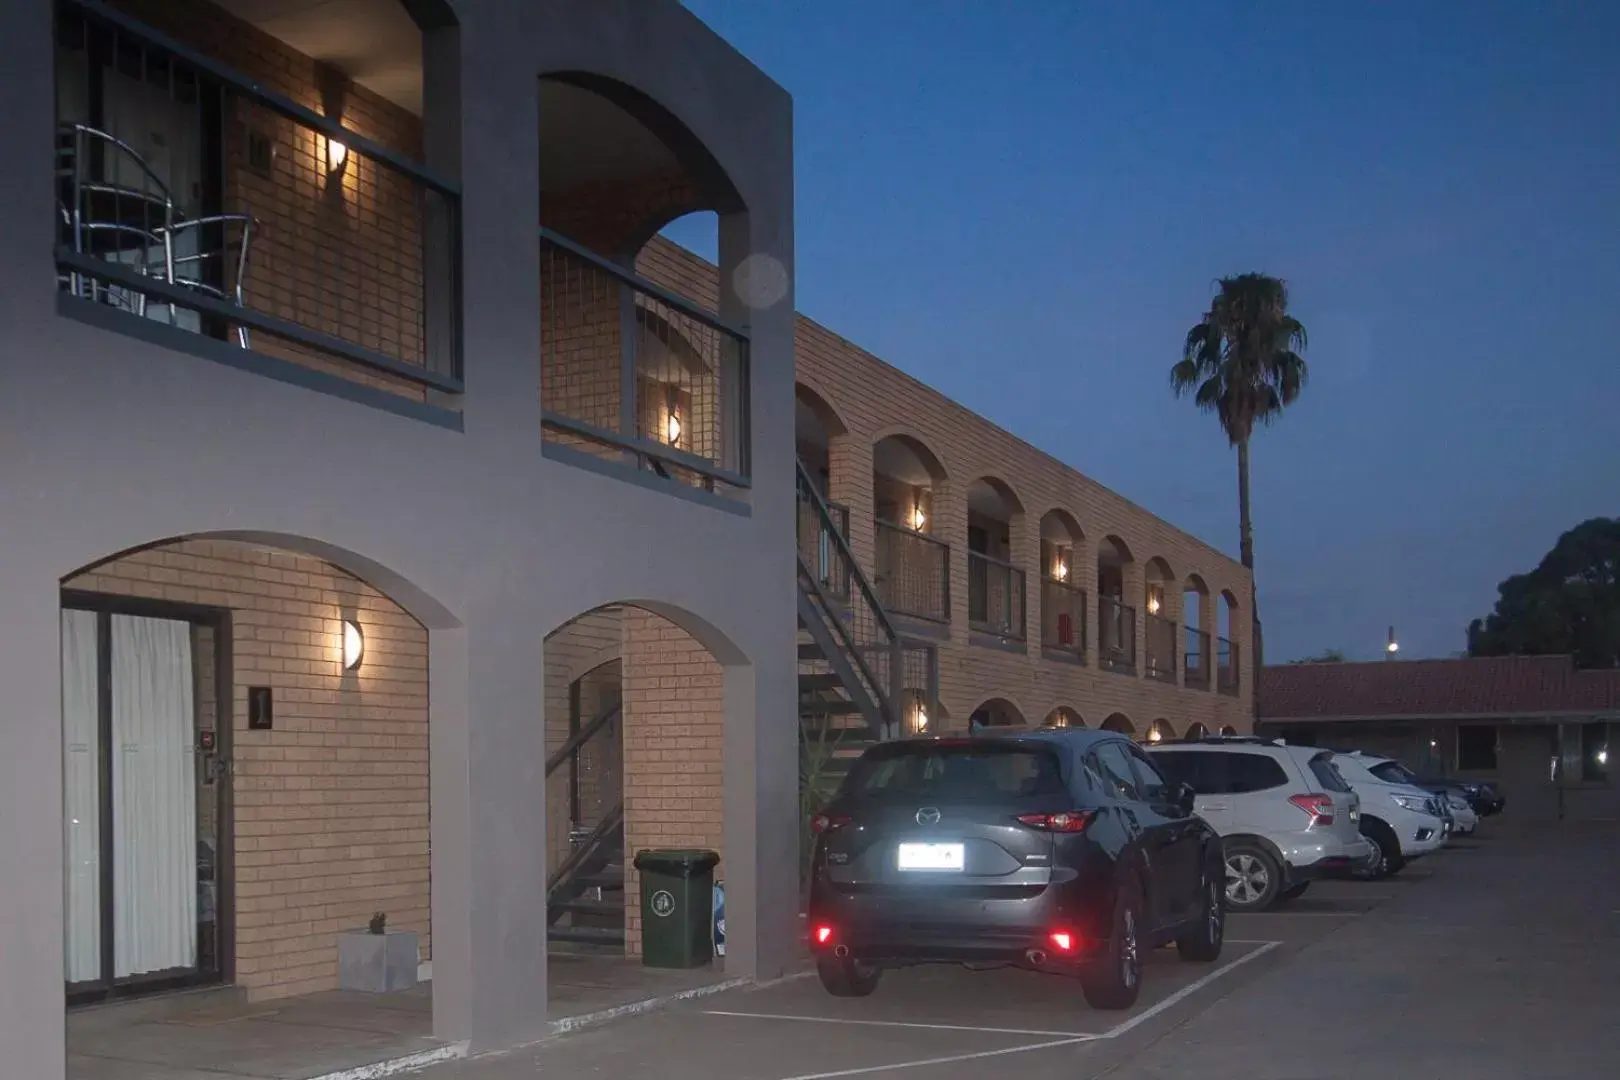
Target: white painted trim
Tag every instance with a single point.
(567, 1024)
(409, 1063)
(952, 1059)
(902, 1024)
(424, 971)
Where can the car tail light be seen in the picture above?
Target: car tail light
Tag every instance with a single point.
(1320, 807)
(1062, 940)
(825, 823)
(1066, 821)
(823, 934)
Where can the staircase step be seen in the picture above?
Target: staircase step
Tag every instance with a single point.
(809, 709)
(811, 651)
(608, 877)
(603, 911)
(815, 682)
(586, 935)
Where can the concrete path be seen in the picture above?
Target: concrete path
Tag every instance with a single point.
(1498, 958)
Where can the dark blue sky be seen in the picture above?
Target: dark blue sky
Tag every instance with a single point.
(1025, 204)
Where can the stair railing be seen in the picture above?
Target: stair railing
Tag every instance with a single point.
(585, 841)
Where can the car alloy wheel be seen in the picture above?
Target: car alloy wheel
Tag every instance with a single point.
(1217, 913)
(1247, 879)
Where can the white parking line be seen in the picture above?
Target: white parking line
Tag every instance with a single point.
(1187, 991)
(952, 1059)
(902, 1024)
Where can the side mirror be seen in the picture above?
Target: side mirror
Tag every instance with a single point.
(1184, 798)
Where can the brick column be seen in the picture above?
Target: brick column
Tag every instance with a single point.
(851, 484)
(1083, 572)
(1024, 552)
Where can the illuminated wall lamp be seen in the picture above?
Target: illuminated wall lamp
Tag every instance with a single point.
(922, 719)
(918, 518)
(336, 156)
(673, 428)
(354, 645)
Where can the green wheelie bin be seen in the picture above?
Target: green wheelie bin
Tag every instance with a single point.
(677, 907)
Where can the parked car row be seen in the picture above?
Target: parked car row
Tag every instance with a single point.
(1076, 851)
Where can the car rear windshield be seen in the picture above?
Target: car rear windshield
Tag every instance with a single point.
(1393, 772)
(1326, 775)
(959, 772)
(1222, 772)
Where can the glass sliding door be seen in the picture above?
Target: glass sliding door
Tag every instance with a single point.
(142, 799)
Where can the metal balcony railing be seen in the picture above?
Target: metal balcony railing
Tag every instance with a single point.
(194, 196)
(1197, 669)
(1116, 636)
(1159, 640)
(818, 544)
(631, 372)
(1226, 666)
(913, 573)
(1063, 619)
(995, 597)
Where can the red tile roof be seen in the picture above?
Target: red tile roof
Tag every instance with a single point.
(1484, 686)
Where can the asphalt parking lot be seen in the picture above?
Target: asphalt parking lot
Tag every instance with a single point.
(1498, 957)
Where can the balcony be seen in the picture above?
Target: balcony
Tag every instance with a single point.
(1226, 667)
(995, 597)
(1197, 660)
(634, 374)
(1159, 635)
(1063, 621)
(211, 209)
(913, 573)
(1116, 636)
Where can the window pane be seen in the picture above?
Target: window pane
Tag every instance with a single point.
(1476, 748)
(1391, 772)
(1326, 775)
(1184, 766)
(1253, 772)
(1118, 778)
(1151, 782)
(975, 772)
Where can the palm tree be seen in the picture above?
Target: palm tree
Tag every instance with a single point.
(1242, 362)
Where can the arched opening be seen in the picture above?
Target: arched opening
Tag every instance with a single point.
(1063, 595)
(1116, 620)
(1226, 647)
(996, 713)
(1119, 722)
(913, 568)
(1228, 729)
(1197, 730)
(1161, 730)
(1064, 717)
(1159, 628)
(816, 427)
(995, 581)
(816, 424)
(1196, 614)
(269, 710)
(628, 311)
(626, 686)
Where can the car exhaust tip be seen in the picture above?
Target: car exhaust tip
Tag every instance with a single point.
(841, 951)
(1036, 958)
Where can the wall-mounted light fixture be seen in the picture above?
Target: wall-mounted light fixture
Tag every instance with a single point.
(672, 428)
(922, 719)
(1153, 600)
(918, 518)
(1392, 646)
(1155, 734)
(354, 645)
(337, 155)
(1060, 569)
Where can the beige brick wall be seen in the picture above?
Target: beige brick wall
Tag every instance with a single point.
(331, 805)
(673, 747)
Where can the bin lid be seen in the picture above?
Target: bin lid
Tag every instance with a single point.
(677, 862)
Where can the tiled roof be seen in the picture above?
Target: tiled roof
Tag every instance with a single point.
(1484, 686)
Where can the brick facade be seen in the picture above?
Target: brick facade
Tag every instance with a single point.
(330, 807)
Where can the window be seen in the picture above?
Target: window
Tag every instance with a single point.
(1185, 766)
(1326, 775)
(1594, 753)
(1476, 748)
(1392, 772)
(1154, 787)
(1115, 766)
(1245, 773)
(943, 772)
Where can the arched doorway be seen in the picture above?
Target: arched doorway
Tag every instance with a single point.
(1196, 730)
(912, 566)
(996, 713)
(1116, 617)
(1064, 717)
(996, 585)
(1119, 722)
(1161, 730)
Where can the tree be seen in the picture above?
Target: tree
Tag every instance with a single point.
(1242, 362)
(1569, 604)
(1331, 656)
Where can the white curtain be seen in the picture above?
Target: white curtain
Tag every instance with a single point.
(81, 802)
(154, 797)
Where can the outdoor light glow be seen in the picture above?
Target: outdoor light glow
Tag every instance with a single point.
(1062, 571)
(1603, 756)
(673, 428)
(1153, 604)
(1155, 735)
(1392, 647)
(922, 719)
(918, 518)
(336, 155)
(354, 645)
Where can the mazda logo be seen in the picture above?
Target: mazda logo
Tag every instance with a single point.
(928, 815)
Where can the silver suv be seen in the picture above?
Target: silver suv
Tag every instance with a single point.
(1284, 813)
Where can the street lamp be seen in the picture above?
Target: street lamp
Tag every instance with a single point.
(1392, 647)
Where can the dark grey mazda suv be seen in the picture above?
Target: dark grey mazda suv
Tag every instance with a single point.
(1058, 850)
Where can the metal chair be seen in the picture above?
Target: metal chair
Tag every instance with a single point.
(231, 291)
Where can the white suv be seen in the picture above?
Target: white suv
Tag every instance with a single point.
(1404, 820)
(1284, 814)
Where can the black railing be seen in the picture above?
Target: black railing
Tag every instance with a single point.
(1116, 636)
(1197, 660)
(634, 373)
(1159, 645)
(913, 573)
(995, 596)
(1063, 619)
(1226, 666)
(191, 195)
(818, 544)
(588, 772)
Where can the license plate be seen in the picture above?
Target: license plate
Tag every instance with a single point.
(934, 857)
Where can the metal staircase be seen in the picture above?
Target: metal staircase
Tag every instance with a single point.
(585, 894)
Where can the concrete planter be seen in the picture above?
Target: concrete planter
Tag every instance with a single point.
(377, 963)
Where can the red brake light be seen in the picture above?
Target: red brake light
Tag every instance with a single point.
(823, 823)
(1062, 941)
(1320, 807)
(823, 934)
(1068, 821)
